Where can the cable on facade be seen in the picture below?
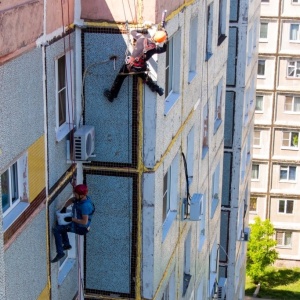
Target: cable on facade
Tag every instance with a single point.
(188, 196)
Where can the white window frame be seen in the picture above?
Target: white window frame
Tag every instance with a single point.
(193, 49)
(285, 205)
(63, 129)
(209, 31)
(266, 29)
(264, 68)
(256, 172)
(257, 137)
(294, 106)
(295, 2)
(172, 196)
(251, 206)
(287, 169)
(295, 37)
(173, 71)
(18, 180)
(261, 100)
(290, 138)
(293, 67)
(284, 238)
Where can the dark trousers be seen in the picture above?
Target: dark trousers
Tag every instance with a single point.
(124, 73)
(60, 233)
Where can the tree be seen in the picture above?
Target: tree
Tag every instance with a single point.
(261, 252)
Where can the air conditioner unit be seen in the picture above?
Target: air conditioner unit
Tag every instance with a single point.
(246, 234)
(84, 142)
(196, 207)
(222, 288)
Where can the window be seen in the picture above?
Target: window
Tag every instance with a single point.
(14, 187)
(218, 105)
(256, 138)
(209, 31)
(286, 206)
(187, 263)
(190, 155)
(172, 81)
(64, 96)
(263, 33)
(259, 104)
(193, 48)
(205, 131)
(202, 221)
(290, 139)
(294, 32)
(284, 238)
(222, 21)
(261, 67)
(255, 172)
(292, 104)
(293, 69)
(287, 173)
(170, 186)
(249, 45)
(215, 190)
(253, 204)
(295, 1)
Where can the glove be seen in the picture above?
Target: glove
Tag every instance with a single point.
(63, 210)
(68, 219)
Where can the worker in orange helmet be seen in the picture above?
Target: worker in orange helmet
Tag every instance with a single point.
(82, 211)
(144, 47)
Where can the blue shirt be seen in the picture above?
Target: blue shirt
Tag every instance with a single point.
(83, 207)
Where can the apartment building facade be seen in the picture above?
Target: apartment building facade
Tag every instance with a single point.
(275, 169)
(153, 164)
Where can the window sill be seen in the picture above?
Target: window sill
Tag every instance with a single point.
(64, 271)
(168, 223)
(294, 41)
(284, 247)
(287, 181)
(221, 39)
(263, 41)
(14, 214)
(259, 112)
(217, 125)
(192, 75)
(253, 212)
(261, 76)
(290, 148)
(63, 130)
(170, 101)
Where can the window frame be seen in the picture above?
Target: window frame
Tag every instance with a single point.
(295, 67)
(209, 32)
(251, 210)
(284, 238)
(215, 189)
(68, 122)
(218, 105)
(193, 48)
(263, 39)
(287, 179)
(16, 208)
(262, 97)
(257, 172)
(293, 106)
(297, 39)
(295, 2)
(172, 71)
(264, 68)
(290, 139)
(255, 138)
(285, 206)
(222, 21)
(205, 132)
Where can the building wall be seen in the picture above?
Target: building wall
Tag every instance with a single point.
(278, 49)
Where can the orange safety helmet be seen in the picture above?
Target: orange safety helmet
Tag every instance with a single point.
(160, 36)
(81, 189)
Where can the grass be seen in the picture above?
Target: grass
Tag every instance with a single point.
(277, 283)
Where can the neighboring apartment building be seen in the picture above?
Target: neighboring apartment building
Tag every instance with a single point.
(275, 186)
(239, 121)
(153, 164)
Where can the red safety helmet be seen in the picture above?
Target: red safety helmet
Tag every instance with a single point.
(81, 189)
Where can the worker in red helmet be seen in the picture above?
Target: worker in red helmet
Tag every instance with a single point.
(144, 47)
(82, 211)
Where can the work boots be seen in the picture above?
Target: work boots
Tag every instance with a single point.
(154, 87)
(107, 93)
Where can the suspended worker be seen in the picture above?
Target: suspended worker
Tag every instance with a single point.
(82, 211)
(144, 47)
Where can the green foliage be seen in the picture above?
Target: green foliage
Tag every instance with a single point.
(261, 252)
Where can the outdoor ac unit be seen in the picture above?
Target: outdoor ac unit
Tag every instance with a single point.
(84, 142)
(195, 208)
(246, 234)
(222, 288)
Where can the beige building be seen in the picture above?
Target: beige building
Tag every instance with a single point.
(275, 186)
